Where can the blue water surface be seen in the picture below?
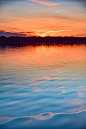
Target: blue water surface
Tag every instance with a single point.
(43, 87)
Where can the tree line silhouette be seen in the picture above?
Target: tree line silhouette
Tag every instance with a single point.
(48, 40)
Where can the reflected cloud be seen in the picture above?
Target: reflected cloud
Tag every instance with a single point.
(35, 82)
(28, 121)
(41, 89)
(81, 94)
(36, 77)
(63, 87)
(38, 90)
(42, 116)
(77, 103)
(63, 91)
(75, 78)
(50, 77)
(46, 77)
(39, 80)
(84, 89)
(6, 119)
(17, 85)
(35, 87)
(81, 86)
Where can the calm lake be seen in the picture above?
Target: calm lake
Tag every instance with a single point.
(43, 87)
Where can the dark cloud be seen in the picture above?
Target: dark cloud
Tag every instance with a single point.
(26, 32)
(29, 32)
(8, 34)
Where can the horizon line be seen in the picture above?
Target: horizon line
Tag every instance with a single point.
(45, 36)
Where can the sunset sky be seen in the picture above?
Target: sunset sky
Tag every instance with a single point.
(43, 18)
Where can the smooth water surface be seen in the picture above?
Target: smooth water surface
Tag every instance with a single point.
(43, 87)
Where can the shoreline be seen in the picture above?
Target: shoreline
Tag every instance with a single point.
(7, 41)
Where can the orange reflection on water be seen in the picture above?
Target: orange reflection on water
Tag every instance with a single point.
(44, 56)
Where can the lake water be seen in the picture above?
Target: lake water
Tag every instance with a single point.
(43, 87)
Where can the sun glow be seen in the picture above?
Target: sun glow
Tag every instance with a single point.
(42, 35)
(39, 20)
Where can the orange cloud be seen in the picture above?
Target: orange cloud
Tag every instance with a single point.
(53, 3)
(45, 2)
(50, 32)
(44, 26)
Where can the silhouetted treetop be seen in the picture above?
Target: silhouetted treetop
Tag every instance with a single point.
(48, 40)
